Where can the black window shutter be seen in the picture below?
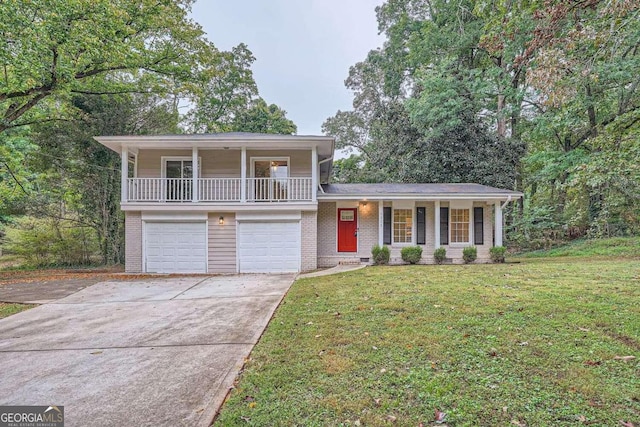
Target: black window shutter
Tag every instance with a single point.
(386, 236)
(421, 222)
(478, 226)
(444, 226)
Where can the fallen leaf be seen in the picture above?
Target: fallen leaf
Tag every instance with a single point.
(374, 347)
(581, 418)
(523, 343)
(505, 409)
(377, 402)
(252, 405)
(309, 323)
(249, 399)
(382, 371)
(439, 416)
(624, 358)
(518, 423)
(592, 362)
(391, 418)
(245, 419)
(493, 352)
(583, 329)
(626, 423)
(318, 336)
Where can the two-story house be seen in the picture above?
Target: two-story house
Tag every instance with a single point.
(260, 203)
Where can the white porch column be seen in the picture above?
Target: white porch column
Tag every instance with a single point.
(124, 171)
(243, 174)
(380, 222)
(498, 225)
(436, 219)
(196, 173)
(314, 173)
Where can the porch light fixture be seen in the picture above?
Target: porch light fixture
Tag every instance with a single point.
(221, 220)
(364, 203)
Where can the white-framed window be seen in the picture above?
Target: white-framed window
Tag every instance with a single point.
(459, 225)
(270, 167)
(179, 167)
(402, 225)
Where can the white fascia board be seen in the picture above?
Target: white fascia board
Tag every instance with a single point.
(173, 216)
(269, 216)
(217, 207)
(326, 145)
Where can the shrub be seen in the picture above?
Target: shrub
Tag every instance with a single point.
(381, 255)
(497, 253)
(469, 254)
(411, 254)
(440, 255)
(43, 242)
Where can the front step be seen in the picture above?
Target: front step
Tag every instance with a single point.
(354, 261)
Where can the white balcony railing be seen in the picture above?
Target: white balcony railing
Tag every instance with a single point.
(219, 189)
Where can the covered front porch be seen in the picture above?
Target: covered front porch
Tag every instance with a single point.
(353, 218)
(234, 168)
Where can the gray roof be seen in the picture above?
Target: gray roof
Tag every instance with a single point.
(390, 189)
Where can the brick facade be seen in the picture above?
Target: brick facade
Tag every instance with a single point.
(133, 242)
(309, 240)
(328, 254)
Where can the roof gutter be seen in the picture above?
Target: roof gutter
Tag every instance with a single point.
(417, 196)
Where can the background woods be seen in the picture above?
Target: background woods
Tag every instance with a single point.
(539, 96)
(71, 70)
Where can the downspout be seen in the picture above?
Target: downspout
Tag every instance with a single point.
(504, 205)
(328, 159)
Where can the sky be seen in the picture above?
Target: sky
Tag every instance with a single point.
(303, 49)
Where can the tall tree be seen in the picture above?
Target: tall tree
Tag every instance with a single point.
(51, 50)
(227, 90)
(263, 118)
(79, 179)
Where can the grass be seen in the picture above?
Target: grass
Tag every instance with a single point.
(7, 309)
(532, 344)
(614, 247)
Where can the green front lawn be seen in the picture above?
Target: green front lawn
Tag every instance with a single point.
(7, 309)
(537, 344)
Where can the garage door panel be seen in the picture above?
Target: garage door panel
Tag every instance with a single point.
(175, 247)
(269, 247)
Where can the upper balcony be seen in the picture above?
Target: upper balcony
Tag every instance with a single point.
(185, 171)
(226, 190)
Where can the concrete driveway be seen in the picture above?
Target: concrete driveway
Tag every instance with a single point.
(147, 352)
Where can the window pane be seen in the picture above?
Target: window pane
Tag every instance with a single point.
(187, 169)
(402, 225)
(174, 169)
(459, 225)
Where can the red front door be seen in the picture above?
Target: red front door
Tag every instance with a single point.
(348, 230)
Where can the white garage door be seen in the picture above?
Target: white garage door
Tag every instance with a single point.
(176, 247)
(269, 247)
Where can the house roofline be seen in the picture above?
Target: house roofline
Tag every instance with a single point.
(422, 197)
(221, 140)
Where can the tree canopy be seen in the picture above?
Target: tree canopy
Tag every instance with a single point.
(538, 96)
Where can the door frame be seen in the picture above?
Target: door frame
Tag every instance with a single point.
(355, 207)
(165, 159)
